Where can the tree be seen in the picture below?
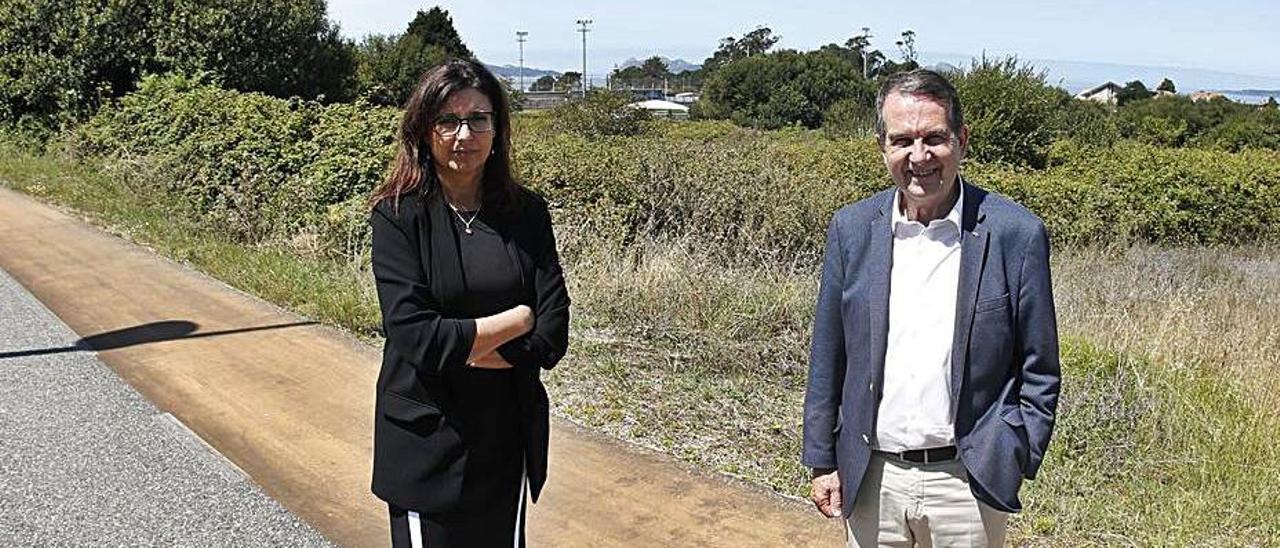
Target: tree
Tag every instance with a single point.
(390, 66)
(1166, 85)
(280, 47)
(1270, 104)
(907, 45)
(543, 83)
(569, 81)
(873, 58)
(655, 68)
(435, 27)
(1132, 91)
(61, 59)
(782, 88)
(627, 77)
(755, 42)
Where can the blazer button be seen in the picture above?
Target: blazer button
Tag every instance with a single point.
(866, 439)
(871, 387)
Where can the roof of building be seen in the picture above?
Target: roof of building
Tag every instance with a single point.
(659, 104)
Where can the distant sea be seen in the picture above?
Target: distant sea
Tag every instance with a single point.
(1077, 76)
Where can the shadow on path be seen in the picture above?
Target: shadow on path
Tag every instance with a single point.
(168, 330)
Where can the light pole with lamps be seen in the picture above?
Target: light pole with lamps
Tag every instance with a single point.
(584, 30)
(520, 34)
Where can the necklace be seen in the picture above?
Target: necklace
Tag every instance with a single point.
(466, 223)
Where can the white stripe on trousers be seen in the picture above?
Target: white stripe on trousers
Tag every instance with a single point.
(524, 484)
(415, 530)
(415, 522)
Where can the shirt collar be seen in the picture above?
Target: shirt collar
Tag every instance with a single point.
(952, 217)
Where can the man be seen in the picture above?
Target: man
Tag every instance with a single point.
(933, 377)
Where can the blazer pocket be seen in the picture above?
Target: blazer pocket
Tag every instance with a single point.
(987, 305)
(405, 409)
(1012, 415)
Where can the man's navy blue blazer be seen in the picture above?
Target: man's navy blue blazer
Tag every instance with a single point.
(1004, 359)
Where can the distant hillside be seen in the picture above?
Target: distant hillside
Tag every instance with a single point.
(513, 72)
(1264, 93)
(676, 66)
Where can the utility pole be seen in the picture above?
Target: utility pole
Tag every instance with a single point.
(520, 34)
(866, 34)
(584, 30)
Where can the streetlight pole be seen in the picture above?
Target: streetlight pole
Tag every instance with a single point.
(520, 34)
(584, 30)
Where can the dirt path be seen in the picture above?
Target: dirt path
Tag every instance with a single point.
(290, 402)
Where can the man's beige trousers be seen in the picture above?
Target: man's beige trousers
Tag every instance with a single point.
(921, 505)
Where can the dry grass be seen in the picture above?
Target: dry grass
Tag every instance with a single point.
(1157, 444)
(1199, 307)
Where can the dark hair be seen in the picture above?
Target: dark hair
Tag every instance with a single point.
(923, 82)
(413, 168)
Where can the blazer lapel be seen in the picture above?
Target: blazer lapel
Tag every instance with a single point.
(445, 259)
(880, 264)
(973, 257)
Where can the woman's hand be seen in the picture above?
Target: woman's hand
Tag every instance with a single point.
(526, 318)
(492, 360)
(494, 331)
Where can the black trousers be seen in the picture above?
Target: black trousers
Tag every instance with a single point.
(498, 522)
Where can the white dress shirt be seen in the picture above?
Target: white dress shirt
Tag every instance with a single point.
(915, 411)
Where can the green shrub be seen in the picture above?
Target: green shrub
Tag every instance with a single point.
(1010, 111)
(1217, 123)
(263, 168)
(849, 118)
(601, 113)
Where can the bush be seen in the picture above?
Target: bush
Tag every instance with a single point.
(849, 118)
(602, 113)
(1012, 114)
(1217, 123)
(252, 165)
(259, 167)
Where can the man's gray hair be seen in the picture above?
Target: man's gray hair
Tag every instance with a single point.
(926, 83)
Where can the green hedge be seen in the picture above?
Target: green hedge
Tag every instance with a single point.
(253, 165)
(259, 167)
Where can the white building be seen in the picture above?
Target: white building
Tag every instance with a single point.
(658, 107)
(1108, 92)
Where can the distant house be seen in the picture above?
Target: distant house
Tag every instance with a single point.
(1206, 96)
(1162, 94)
(667, 109)
(1108, 93)
(644, 94)
(687, 98)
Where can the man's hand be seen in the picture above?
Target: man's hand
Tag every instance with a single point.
(826, 492)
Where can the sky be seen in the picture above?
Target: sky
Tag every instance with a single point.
(1231, 36)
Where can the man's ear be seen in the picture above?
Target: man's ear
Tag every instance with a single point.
(964, 141)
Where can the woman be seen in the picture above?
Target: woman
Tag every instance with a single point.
(474, 307)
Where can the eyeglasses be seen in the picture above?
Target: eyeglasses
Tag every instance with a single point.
(478, 122)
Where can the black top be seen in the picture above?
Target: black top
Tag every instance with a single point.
(426, 268)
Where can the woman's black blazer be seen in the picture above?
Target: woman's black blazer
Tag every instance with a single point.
(418, 456)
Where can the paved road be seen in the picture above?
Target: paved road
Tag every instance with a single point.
(291, 403)
(85, 460)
